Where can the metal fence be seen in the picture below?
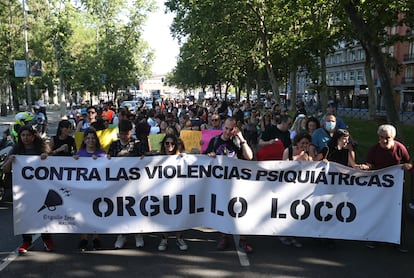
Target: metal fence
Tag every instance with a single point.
(362, 114)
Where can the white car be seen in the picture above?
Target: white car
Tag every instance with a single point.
(131, 105)
(148, 104)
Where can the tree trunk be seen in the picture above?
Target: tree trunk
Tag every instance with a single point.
(370, 83)
(378, 58)
(323, 93)
(293, 88)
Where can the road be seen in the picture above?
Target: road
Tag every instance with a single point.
(269, 259)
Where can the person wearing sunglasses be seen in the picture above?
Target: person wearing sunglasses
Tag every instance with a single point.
(90, 117)
(172, 145)
(232, 144)
(215, 122)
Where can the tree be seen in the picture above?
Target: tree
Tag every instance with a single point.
(370, 20)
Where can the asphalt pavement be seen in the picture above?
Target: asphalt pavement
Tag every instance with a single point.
(269, 259)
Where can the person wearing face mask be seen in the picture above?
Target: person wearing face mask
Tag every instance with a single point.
(322, 135)
(330, 109)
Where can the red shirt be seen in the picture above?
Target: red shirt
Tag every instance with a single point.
(109, 114)
(382, 158)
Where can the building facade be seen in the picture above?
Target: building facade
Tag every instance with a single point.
(346, 80)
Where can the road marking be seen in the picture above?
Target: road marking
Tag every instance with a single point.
(243, 258)
(14, 254)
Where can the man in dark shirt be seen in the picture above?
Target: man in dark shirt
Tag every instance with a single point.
(279, 131)
(232, 144)
(126, 145)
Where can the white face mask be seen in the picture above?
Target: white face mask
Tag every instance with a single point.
(329, 126)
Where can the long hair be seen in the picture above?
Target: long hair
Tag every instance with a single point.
(62, 124)
(86, 133)
(333, 142)
(178, 144)
(39, 144)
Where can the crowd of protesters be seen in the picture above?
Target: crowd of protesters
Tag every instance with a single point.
(251, 131)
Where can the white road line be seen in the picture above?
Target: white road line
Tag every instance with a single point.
(13, 255)
(243, 258)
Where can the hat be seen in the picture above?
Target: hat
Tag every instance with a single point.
(84, 111)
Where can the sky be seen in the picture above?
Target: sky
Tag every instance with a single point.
(157, 34)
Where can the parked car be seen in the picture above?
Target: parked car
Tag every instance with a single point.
(131, 105)
(148, 104)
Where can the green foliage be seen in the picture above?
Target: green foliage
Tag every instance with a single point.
(78, 42)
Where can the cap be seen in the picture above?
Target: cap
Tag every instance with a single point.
(84, 111)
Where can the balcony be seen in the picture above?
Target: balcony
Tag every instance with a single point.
(407, 80)
(408, 58)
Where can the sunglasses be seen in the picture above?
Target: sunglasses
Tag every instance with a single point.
(215, 120)
(169, 143)
(343, 132)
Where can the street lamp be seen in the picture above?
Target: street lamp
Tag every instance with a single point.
(26, 52)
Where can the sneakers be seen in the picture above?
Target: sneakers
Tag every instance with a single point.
(247, 248)
(223, 243)
(401, 248)
(120, 241)
(83, 244)
(163, 244)
(296, 243)
(181, 244)
(49, 245)
(96, 244)
(285, 241)
(139, 241)
(24, 247)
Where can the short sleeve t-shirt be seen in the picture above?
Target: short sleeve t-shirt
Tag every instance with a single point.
(382, 158)
(221, 147)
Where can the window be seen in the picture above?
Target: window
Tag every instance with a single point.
(360, 75)
(331, 76)
(361, 55)
(352, 56)
(391, 51)
(337, 76)
(345, 76)
(411, 49)
(409, 74)
(351, 75)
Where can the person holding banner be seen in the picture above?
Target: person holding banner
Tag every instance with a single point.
(29, 143)
(337, 150)
(385, 153)
(231, 143)
(63, 144)
(127, 146)
(90, 147)
(297, 151)
(172, 145)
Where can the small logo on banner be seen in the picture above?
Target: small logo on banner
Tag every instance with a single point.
(53, 199)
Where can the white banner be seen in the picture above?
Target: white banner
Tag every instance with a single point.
(172, 193)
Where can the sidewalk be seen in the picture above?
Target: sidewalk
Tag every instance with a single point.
(52, 115)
